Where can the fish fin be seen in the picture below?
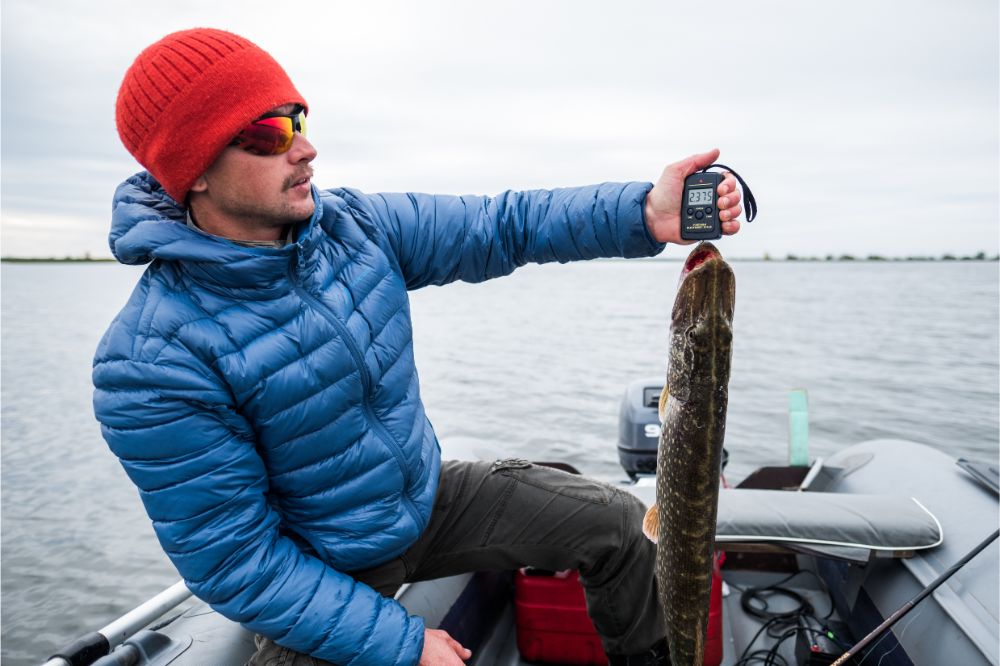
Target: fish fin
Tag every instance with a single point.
(662, 407)
(651, 524)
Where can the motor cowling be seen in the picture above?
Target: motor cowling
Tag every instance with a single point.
(639, 426)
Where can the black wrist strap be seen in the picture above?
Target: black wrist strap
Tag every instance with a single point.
(750, 204)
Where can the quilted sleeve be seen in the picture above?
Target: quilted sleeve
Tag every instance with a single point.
(438, 238)
(174, 429)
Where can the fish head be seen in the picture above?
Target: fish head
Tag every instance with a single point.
(706, 288)
(701, 320)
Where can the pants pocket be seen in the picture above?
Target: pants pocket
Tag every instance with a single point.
(555, 481)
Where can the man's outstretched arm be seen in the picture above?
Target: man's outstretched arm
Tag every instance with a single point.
(442, 238)
(438, 239)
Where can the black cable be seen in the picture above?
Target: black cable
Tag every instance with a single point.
(819, 579)
(787, 623)
(773, 652)
(761, 594)
(742, 661)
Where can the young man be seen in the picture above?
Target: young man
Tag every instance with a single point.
(260, 390)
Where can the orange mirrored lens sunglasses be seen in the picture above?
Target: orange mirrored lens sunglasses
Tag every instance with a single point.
(272, 134)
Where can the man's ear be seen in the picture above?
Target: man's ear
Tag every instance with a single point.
(199, 185)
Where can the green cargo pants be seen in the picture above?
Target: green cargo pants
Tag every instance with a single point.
(513, 513)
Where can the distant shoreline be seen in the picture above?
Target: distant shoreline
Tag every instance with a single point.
(55, 260)
(981, 256)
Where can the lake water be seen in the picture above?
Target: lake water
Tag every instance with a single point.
(530, 366)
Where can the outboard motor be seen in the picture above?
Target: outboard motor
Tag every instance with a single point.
(639, 426)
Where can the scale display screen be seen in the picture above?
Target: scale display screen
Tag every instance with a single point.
(701, 196)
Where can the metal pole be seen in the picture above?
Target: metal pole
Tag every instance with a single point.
(120, 630)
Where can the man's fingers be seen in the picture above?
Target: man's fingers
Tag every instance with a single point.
(729, 200)
(731, 227)
(440, 648)
(727, 185)
(457, 647)
(704, 159)
(730, 213)
(689, 165)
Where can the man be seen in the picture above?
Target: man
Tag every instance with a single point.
(259, 386)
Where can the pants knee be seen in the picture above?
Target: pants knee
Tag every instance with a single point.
(624, 546)
(633, 536)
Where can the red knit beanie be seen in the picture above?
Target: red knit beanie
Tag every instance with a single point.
(186, 97)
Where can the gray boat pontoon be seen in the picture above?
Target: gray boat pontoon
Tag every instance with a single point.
(816, 557)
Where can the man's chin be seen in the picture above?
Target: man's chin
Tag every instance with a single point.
(308, 209)
(301, 210)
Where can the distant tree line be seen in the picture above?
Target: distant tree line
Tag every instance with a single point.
(979, 256)
(49, 260)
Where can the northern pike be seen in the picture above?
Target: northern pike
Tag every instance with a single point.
(689, 456)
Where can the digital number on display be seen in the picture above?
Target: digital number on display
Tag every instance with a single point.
(700, 196)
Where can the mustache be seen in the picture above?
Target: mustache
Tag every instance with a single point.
(307, 172)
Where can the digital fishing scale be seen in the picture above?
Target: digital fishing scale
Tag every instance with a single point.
(700, 204)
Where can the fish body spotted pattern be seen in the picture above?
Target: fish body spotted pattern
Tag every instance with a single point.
(693, 410)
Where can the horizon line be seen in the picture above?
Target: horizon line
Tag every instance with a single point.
(788, 258)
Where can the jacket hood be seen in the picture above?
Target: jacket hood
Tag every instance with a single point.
(147, 224)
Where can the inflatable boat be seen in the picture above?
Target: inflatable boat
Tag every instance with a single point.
(811, 558)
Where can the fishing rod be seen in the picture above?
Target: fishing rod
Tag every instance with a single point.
(908, 606)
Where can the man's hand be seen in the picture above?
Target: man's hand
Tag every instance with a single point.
(440, 649)
(663, 203)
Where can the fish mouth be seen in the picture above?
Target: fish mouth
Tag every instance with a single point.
(706, 287)
(704, 253)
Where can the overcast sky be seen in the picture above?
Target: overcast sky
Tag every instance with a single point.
(862, 126)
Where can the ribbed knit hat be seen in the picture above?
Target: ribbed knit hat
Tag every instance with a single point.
(186, 97)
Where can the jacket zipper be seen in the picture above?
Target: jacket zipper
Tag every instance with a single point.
(366, 383)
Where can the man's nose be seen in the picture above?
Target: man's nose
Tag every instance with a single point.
(301, 150)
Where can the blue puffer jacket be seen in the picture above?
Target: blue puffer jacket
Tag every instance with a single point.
(265, 401)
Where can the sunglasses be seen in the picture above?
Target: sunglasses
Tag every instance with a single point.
(272, 134)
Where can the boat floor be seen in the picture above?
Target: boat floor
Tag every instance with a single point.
(955, 625)
(201, 636)
(739, 627)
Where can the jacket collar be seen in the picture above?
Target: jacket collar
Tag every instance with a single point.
(147, 224)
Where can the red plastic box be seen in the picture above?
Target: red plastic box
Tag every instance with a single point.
(713, 638)
(553, 625)
(552, 620)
